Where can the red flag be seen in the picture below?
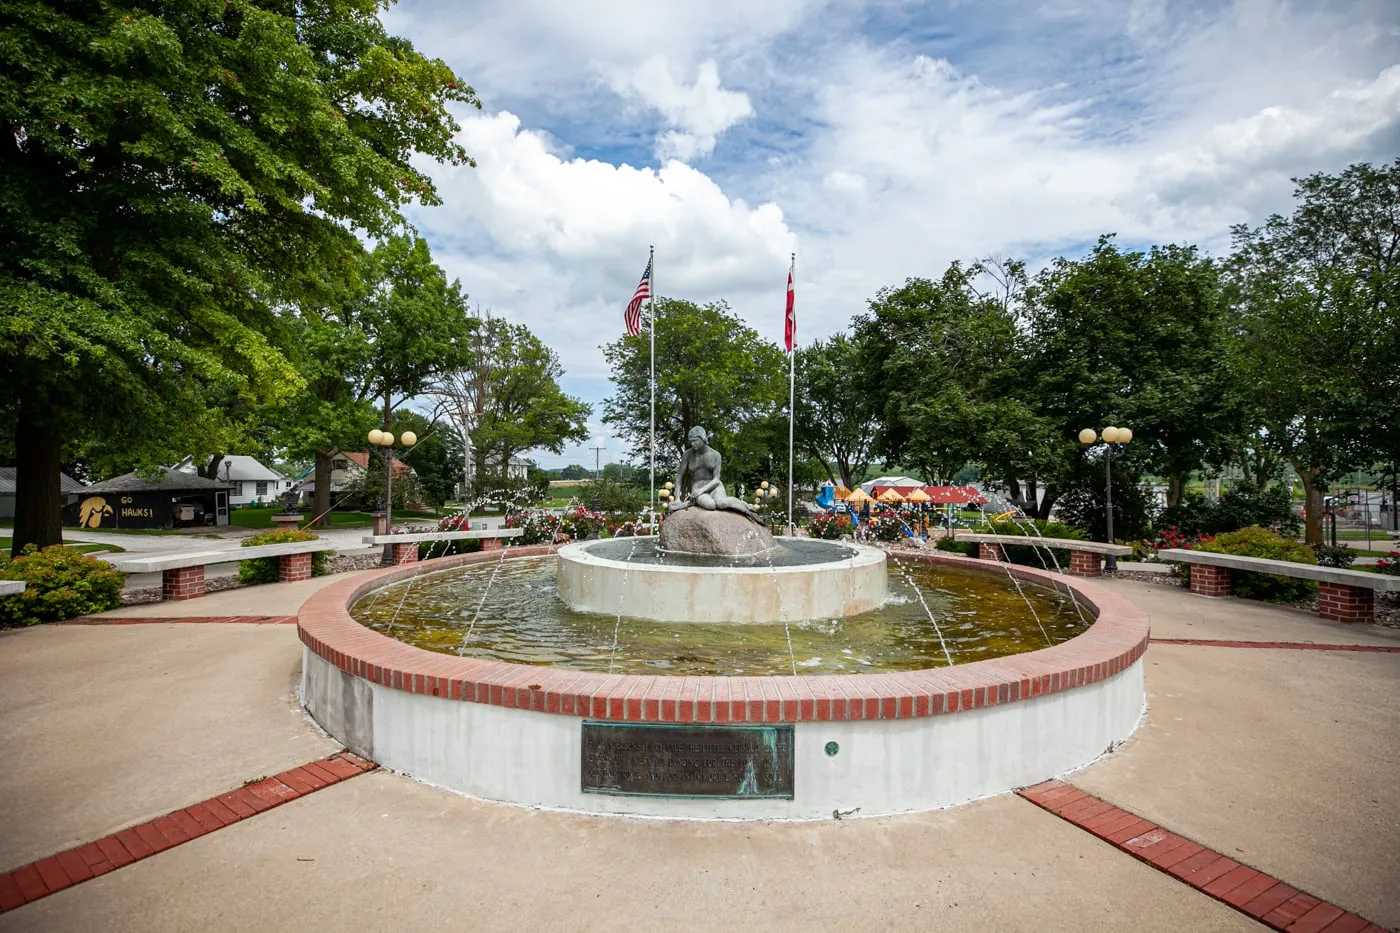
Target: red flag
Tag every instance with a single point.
(790, 322)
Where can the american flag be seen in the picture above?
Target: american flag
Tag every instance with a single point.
(633, 315)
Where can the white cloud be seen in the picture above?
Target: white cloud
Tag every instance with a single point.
(889, 146)
(700, 112)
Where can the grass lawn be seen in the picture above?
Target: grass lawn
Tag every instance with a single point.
(5, 544)
(262, 518)
(1358, 534)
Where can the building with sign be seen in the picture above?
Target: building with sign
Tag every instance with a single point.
(169, 500)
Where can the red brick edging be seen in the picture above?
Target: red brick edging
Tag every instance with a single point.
(1251, 892)
(1288, 645)
(49, 875)
(1115, 641)
(183, 620)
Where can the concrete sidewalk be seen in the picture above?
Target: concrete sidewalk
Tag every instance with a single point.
(1283, 759)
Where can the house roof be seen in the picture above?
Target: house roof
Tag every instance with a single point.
(236, 467)
(361, 459)
(9, 482)
(170, 481)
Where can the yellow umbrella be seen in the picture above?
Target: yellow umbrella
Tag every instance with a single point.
(858, 496)
(918, 495)
(890, 495)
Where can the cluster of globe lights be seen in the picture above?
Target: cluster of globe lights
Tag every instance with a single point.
(1111, 435)
(386, 438)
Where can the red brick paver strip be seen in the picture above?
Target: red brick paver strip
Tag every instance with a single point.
(1287, 645)
(1260, 895)
(85, 862)
(212, 620)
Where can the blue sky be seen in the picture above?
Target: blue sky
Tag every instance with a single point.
(878, 140)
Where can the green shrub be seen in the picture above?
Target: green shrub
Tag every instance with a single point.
(264, 569)
(62, 583)
(1328, 556)
(966, 548)
(1260, 542)
(1030, 555)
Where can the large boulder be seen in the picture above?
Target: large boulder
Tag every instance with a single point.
(718, 533)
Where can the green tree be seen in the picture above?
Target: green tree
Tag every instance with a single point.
(835, 418)
(575, 471)
(396, 330)
(171, 176)
(1135, 339)
(508, 400)
(1317, 328)
(712, 370)
(436, 458)
(931, 355)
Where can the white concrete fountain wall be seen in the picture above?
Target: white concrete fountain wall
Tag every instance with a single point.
(900, 742)
(732, 595)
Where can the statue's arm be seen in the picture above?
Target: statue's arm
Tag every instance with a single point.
(680, 474)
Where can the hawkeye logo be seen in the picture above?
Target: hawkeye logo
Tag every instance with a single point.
(92, 511)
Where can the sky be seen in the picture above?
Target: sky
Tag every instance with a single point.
(876, 140)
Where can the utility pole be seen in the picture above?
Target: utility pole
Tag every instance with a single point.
(597, 461)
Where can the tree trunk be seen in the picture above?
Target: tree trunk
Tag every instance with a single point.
(1312, 504)
(847, 474)
(211, 469)
(1176, 485)
(321, 501)
(1047, 502)
(38, 496)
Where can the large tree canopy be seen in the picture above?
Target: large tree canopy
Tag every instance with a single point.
(171, 176)
(834, 422)
(712, 370)
(508, 400)
(384, 341)
(1317, 349)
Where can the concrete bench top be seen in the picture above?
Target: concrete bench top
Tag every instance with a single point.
(11, 587)
(444, 536)
(158, 563)
(1284, 568)
(1069, 544)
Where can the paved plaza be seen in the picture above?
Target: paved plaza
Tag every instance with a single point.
(1282, 758)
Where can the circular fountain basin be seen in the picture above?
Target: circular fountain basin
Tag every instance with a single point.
(873, 743)
(801, 579)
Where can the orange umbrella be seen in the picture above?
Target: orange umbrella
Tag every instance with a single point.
(857, 497)
(890, 495)
(841, 492)
(918, 495)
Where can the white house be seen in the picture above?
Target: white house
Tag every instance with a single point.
(252, 481)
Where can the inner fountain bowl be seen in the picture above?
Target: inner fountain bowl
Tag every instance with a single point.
(799, 579)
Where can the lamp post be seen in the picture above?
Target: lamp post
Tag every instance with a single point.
(385, 439)
(1113, 442)
(764, 491)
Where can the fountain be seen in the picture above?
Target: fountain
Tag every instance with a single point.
(660, 677)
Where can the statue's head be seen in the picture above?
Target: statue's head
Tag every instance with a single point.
(696, 438)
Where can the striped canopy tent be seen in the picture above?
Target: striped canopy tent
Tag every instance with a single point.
(890, 495)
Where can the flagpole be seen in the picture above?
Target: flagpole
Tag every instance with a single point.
(792, 396)
(651, 264)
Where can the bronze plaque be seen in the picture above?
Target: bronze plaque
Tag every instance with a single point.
(664, 760)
